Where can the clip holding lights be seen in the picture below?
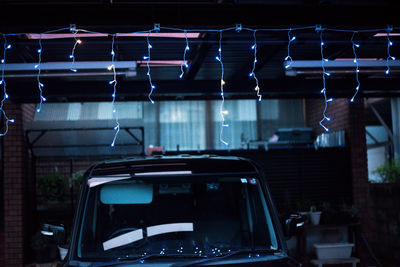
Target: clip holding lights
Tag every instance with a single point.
(184, 64)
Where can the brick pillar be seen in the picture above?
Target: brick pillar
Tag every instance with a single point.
(349, 117)
(15, 177)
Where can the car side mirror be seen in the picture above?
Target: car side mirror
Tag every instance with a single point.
(54, 232)
(294, 225)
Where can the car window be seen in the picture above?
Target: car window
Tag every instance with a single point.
(192, 216)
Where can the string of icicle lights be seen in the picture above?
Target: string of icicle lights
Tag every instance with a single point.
(288, 60)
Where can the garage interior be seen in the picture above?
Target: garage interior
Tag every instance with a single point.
(71, 64)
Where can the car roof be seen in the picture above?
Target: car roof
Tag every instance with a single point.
(196, 164)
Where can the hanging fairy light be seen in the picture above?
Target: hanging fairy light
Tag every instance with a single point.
(72, 55)
(323, 91)
(389, 44)
(114, 94)
(252, 73)
(222, 83)
(288, 58)
(355, 46)
(148, 58)
(6, 46)
(39, 83)
(184, 64)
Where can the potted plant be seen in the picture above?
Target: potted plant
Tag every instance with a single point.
(52, 186)
(303, 208)
(389, 172)
(315, 215)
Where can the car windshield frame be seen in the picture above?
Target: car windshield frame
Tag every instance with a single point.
(268, 208)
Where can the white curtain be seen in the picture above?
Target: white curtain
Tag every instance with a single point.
(182, 123)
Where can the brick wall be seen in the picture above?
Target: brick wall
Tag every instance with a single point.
(1, 249)
(349, 117)
(15, 186)
(385, 211)
(15, 177)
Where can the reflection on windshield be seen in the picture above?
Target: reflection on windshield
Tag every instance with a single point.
(196, 217)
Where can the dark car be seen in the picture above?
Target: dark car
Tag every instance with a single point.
(176, 211)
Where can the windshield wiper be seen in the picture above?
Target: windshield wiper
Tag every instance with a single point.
(125, 260)
(139, 259)
(229, 254)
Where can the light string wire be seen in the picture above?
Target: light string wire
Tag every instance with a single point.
(323, 91)
(148, 58)
(354, 46)
(114, 94)
(6, 46)
(184, 64)
(288, 58)
(389, 44)
(38, 67)
(252, 74)
(221, 107)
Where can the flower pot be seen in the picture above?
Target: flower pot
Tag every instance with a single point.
(333, 250)
(63, 251)
(315, 216)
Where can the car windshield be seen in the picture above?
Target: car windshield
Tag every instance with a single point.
(176, 217)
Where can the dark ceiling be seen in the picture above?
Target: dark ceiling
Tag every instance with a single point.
(201, 81)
